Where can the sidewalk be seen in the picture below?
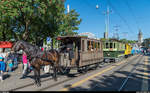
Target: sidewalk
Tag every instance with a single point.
(13, 80)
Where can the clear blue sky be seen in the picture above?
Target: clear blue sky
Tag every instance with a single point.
(130, 15)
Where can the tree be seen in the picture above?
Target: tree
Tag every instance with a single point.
(128, 41)
(35, 20)
(70, 23)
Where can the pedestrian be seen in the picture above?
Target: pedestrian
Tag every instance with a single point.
(12, 56)
(6, 61)
(29, 67)
(25, 65)
(70, 51)
(42, 49)
(9, 61)
(10, 65)
(15, 60)
(2, 68)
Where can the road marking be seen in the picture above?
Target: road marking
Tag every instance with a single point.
(82, 81)
(86, 79)
(145, 77)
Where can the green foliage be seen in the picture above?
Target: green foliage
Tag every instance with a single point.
(104, 39)
(128, 41)
(34, 20)
(70, 23)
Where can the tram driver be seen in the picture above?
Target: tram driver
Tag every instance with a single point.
(68, 48)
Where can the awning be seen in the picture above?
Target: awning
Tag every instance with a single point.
(5, 44)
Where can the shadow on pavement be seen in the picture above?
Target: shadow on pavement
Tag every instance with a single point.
(113, 82)
(6, 76)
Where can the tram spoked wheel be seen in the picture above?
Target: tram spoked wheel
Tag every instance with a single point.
(66, 70)
(96, 65)
(86, 68)
(80, 70)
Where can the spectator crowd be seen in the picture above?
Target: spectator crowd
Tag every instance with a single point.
(9, 63)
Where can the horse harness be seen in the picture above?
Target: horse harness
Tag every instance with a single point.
(45, 58)
(41, 57)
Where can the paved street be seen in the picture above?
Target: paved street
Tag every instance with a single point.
(128, 75)
(103, 45)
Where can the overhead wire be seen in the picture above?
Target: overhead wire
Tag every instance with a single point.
(132, 13)
(89, 5)
(122, 18)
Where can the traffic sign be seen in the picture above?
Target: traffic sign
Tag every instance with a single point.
(48, 40)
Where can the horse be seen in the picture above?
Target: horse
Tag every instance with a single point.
(39, 58)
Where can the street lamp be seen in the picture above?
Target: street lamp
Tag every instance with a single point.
(97, 6)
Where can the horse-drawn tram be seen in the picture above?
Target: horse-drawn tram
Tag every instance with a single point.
(79, 52)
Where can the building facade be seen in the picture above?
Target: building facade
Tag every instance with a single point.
(140, 37)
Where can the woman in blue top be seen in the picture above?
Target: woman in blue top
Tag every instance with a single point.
(2, 68)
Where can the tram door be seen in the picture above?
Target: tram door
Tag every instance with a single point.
(65, 56)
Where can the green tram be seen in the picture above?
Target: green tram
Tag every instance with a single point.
(113, 50)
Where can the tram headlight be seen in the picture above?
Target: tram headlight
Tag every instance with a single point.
(108, 54)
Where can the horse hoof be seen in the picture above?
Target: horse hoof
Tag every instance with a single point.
(38, 85)
(35, 83)
(55, 79)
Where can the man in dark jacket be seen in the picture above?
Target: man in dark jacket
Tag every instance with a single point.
(69, 47)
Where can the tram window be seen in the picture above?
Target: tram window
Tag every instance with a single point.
(89, 45)
(120, 45)
(82, 45)
(111, 45)
(74, 46)
(114, 45)
(107, 46)
(104, 46)
(92, 45)
(98, 45)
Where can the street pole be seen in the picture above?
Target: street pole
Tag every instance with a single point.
(68, 10)
(107, 13)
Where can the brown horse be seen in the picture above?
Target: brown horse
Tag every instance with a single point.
(39, 58)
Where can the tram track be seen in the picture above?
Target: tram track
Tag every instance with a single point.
(67, 80)
(122, 67)
(59, 76)
(129, 76)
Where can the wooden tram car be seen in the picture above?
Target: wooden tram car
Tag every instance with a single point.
(113, 50)
(86, 52)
